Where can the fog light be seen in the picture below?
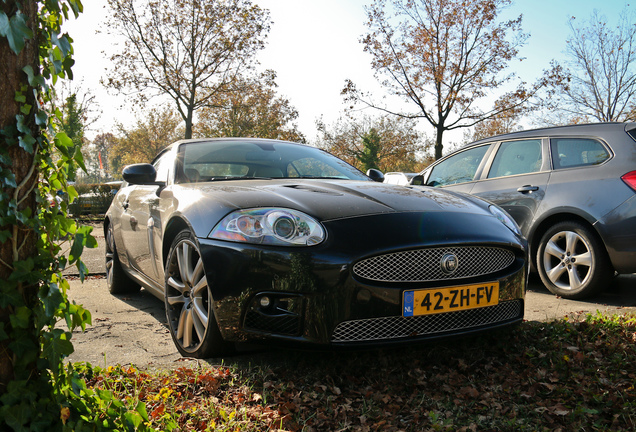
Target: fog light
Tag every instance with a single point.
(265, 302)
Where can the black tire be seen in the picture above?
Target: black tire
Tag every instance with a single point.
(572, 261)
(188, 300)
(116, 278)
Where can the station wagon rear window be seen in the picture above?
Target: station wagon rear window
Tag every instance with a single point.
(575, 152)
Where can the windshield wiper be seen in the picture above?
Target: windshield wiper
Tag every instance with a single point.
(322, 177)
(221, 178)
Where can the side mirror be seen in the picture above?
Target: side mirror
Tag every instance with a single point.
(417, 180)
(140, 174)
(375, 175)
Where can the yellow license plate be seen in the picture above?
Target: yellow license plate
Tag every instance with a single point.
(433, 301)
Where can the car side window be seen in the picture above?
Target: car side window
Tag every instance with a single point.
(458, 168)
(517, 157)
(573, 152)
(162, 166)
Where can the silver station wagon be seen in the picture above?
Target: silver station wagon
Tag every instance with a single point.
(571, 189)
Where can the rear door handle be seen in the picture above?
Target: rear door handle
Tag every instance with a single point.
(528, 188)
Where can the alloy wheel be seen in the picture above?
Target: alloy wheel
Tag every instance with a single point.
(567, 260)
(187, 296)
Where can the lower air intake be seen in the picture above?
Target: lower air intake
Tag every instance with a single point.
(398, 327)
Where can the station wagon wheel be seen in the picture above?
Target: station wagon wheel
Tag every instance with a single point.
(117, 280)
(188, 300)
(572, 261)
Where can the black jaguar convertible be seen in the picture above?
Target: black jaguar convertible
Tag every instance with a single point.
(262, 240)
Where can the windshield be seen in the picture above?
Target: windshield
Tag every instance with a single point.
(235, 159)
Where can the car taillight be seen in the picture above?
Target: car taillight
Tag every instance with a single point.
(630, 179)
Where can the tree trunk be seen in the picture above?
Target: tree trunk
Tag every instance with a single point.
(188, 123)
(438, 143)
(22, 243)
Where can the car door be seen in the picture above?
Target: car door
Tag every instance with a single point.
(516, 178)
(139, 221)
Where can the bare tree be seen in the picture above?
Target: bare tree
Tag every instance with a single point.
(186, 49)
(602, 78)
(445, 58)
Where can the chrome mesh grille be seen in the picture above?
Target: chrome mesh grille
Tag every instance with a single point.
(387, 328)
(423, 265)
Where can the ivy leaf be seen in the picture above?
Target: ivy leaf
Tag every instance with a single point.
(62, 140)
(15, 30)
(26, 109)
(21, 124)
(78, 317)
(87, 238)
(141, 409)
(8, 178)
(10, 296)
(79, 158)
(83, 238)
(18, 416)
(27, 142)
(62, 43)
(56, 345)
(82, 269)
(68, 64)
(20, 319)
(34, 80)
(24, 348)
(133, 418)
(72, 193)
(41, 118)
(52, 299)
(77, 248)
(5, 235)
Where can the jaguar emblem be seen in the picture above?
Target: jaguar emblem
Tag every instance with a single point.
(449, 263)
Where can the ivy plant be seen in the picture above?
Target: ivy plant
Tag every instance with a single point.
(38, 240)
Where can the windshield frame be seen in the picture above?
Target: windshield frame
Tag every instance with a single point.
(234, 159)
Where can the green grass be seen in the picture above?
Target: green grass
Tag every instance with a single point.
(564, 375)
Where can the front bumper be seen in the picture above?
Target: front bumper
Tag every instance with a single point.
(315, 296)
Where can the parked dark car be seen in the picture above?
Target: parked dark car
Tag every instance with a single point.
(571, 189)
(94, 199)
(253, 240)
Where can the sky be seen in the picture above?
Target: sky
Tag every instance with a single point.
(314, 46)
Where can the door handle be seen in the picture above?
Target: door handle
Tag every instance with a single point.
(528, 188)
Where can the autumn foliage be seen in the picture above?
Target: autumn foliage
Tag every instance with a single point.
(445, 61)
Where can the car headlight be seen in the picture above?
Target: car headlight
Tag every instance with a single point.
(273, 226)
(505, 219)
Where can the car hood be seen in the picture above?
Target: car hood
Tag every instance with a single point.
(324, 199)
